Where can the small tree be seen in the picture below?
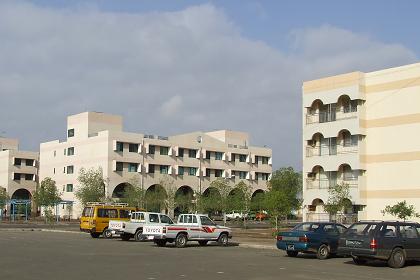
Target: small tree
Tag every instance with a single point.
(339, 199)
(242, 200)
(209, 202)
(91, 186)
(401, 210)
(47, 195)
(224, 189)
(134, 194)
(4, 197)
(257, 202)
(277, 204)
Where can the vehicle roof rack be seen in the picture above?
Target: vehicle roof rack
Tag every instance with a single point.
(116, 204)
(371, 221)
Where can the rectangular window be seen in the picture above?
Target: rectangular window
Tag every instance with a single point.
(242, 174)
(256, 160)
(233, 157)
(218, 173)
(120, 147)
(208, 172)
(18, 161)
(180, 152)
(29, 177)
(164, 150)
(70, 151)
(29, 162)
(208, 154)
(124, 214)
(152, 149)
(154, 218)
(70, 169)
(16, 176)
(133, 148)
(151, 168)
(193, 171)
(354, 140)
(256, 176)
(181, 170)
(218, 155)
(107, 213)
(69, 188)
(132, 167)
(119, 166)
(264, 160)
(242, 158)
(65, 151)
(192, 153)
(264, 176)
(164, 169)
(70, 132)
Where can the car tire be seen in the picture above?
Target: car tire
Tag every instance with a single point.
(292, 254)
(107, 234)
(359, 260)
(160, 242)
(125, 236)
(223, 239)
(138, 236)
(95, 234)
(323, 252)
(181, 240)
(203, 242)
(397, 258)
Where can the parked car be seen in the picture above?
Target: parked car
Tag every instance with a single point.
(319, 238)
(235, 215)
(391, 241)
(190, 227)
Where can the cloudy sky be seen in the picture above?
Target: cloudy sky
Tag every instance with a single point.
(171, 67)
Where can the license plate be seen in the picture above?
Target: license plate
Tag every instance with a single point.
(150, 237)
(353, 243)
(290, 247)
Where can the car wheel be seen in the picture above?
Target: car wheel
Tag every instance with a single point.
(138, 236)
(203, 242)
(223, 239)
(292, 253)
(95, 234)
(359, 260)
(181, 240)
(161, 243)
(323, 252)
(397, 258)
(107, 233)
(125, 236)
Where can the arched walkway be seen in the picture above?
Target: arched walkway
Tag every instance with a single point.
(120, 190)
(184, 197)
(23, 194)
(155, 198)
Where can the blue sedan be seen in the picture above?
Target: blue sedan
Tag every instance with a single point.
(319, 238)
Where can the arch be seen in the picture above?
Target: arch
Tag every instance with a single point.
(256, 192)
(184, 198)
(317, 169)
(344, 167)
(317, 201)
(211, 191)
(155, 197)
(343, 99)
(120, 190)
(316, 104)
(317, 206)
(22, 194)
(184, 190)
(317, 136)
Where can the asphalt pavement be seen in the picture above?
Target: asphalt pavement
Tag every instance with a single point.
(73, 255)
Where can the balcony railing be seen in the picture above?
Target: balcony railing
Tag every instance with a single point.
(327, 183)
(331, 150)
(323, 117)
(325, 217)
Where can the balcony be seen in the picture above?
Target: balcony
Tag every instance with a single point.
(324, 117)
(322, 150)
(327, 183)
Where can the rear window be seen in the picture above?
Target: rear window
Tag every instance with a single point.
(362, 229)
(87, 212)
(306, 227)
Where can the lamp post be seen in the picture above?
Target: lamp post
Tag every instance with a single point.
(199, 140)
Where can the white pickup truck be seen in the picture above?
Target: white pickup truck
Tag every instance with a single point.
(190, 227)
(134, 227)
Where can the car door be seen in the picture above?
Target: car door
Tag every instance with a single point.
(331, 236)
(410, 240)
(389, 238)
(208, 228)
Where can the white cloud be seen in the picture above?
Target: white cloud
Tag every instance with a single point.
(192, 65)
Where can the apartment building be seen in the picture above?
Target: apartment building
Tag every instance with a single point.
(362, 129)
(18, 170)
(191, 160)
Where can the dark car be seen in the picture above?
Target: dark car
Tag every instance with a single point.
(319, 238)
(391, 241)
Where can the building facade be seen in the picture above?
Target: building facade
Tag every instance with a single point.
(191, 160)
(362, 129)
(18, 170)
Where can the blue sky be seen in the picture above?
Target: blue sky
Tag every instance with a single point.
(171, 67)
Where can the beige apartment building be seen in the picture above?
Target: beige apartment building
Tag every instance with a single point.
(362, 129)
(191, 160)
(18, 170)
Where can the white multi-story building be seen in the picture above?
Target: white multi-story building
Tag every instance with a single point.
(192, 160)
(362, 129)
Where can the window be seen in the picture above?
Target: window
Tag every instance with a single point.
(55, 153)
(389, 231)
(256, 160)
(107, 213)
(192, 153)
(408, 231)
(208, 171)
(54, 170)
(206, 221)
(125, 214)
(242, 174)
(264, 176)
(306, 227)
(138, 216)
(133, 148)
(69, 188)
(119, 166)
(164, 169)
(165, 219)
(180, 152)
(181, 170)
(70, 151)
(30, 162)
(16, 176)
(18, 161)
(87, 212)
(154, 218)
(152, 149)
(208, 154)
(64, 151)
(151, 168)
(164, 150)
(132, 167)
(361, 229)
(256, 176)
(218, 173)
(218, 156)
(354, 140)
(341, 229)
(120, 147)
(233, 157)
(264, 160)
(193, 171)
(330, 230)
(70, 169)
(29, 177)
(70, 132)
(242, 158)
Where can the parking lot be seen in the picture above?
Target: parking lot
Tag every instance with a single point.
(72, 255)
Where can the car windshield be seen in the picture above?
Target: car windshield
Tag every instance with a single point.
(206, 221)
(361, 229)
(306, 227)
